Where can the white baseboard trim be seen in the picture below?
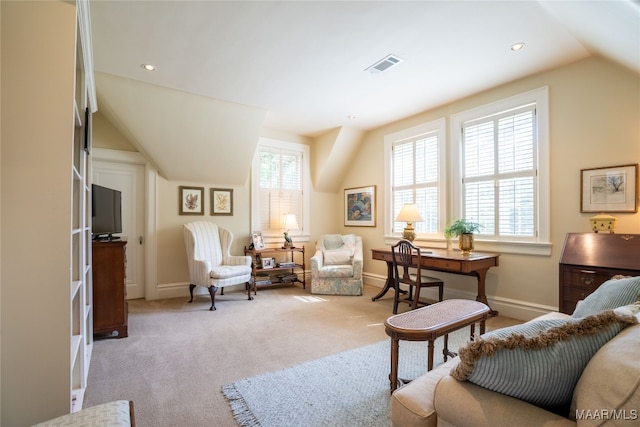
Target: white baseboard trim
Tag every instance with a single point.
(517, 309)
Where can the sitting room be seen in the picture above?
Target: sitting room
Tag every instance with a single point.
(258, 164)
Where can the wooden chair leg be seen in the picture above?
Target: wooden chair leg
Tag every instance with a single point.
(191, 287)
(416, 298)
(396, 296)
(212, 292)
(440, 292)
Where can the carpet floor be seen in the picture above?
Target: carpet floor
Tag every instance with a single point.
(350, 388)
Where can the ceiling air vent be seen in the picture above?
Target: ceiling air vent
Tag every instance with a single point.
(384, 64)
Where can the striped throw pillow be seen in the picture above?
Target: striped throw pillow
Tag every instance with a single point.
(539, 362)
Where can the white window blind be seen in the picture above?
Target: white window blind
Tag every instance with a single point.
(415, 172)
(499, 172)
(280, 185)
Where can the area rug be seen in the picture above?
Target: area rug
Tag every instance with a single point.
(345, 389)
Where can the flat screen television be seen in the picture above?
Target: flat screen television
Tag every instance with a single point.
(106, 212)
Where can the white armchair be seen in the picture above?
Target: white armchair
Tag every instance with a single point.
(210, 264)
(336, 267)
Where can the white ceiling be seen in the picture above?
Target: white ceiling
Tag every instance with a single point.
(227, 69)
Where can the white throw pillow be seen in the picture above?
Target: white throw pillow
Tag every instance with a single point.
(337, 256)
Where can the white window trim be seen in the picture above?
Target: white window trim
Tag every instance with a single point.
(300, 235)
(542, 245)
(439, 126)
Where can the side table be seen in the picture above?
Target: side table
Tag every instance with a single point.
(430, 322)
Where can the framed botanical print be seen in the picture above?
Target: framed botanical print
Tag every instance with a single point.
(221, 201)
(191, 200)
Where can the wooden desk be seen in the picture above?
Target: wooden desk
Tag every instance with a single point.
(475, 264)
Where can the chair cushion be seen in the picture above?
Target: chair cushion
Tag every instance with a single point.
(611, 380)
(336, 271)
(611, 294)
(226, 271)
(539, 362)
(337, 256)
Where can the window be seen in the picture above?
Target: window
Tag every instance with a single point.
(415, 175)
(501, 178)
(280, 180)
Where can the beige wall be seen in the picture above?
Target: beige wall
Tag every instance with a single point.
(594, 122)
(594, 110)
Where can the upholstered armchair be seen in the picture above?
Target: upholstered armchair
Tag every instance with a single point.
(210, 264)
(336, 267)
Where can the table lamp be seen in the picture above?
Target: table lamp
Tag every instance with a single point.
(289, 222)
(409, 214)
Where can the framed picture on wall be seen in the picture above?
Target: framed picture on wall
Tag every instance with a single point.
(221, 201)
(609, 189)
(191, 200)
(360, 206)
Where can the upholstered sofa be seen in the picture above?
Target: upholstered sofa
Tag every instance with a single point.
(604, 392)
(336, 266)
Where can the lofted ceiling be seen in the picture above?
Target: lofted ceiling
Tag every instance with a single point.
(229, 71)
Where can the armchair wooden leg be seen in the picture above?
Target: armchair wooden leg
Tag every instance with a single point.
(191, 287)
(212, 292)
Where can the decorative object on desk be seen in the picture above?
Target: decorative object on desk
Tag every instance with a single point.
(221, 201)
(268, 263)
(603, 222)
(256, 239)
(360, 206)
(289, 223)
(190, 199)
(611, 189)
(464, 230)
(409, 214)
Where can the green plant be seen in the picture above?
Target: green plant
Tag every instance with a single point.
(461, 226)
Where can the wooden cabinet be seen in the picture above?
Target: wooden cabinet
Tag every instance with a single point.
(284, 270)
(590, 259)
(109, 289)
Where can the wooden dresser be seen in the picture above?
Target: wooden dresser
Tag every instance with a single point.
(590, 259)
(110, 311)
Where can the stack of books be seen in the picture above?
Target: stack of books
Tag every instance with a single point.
(289, 277)
(262, 279)
(287, 264)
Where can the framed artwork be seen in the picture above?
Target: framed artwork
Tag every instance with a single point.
(256, 239)
(360, 206)
(221, 201)
(268, 263)
(191, 199)
(609, 189)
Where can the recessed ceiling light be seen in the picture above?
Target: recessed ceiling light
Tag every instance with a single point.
(148, 67)
(351, 116)
(517, 46)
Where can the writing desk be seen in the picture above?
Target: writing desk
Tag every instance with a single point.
(474, 264)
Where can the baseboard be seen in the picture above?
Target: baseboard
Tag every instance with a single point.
(516, 309)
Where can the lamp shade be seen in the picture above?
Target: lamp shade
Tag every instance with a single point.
(409, 213)
(289, 222)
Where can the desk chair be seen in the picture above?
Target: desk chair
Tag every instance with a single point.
(407, 259)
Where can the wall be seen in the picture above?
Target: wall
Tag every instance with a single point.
(594, 110)
(38, 57)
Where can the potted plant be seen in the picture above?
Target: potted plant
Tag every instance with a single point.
(464, 230)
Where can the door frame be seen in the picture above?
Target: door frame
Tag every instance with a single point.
(151, 216)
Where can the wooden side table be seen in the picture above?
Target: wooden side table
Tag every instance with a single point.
(430, 322)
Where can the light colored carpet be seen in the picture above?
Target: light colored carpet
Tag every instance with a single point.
(345, 389)
(179, 355)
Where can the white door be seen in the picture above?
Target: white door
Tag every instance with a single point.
(128, 179)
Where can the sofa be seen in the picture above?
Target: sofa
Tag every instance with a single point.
(604, 389)
(336, 266)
